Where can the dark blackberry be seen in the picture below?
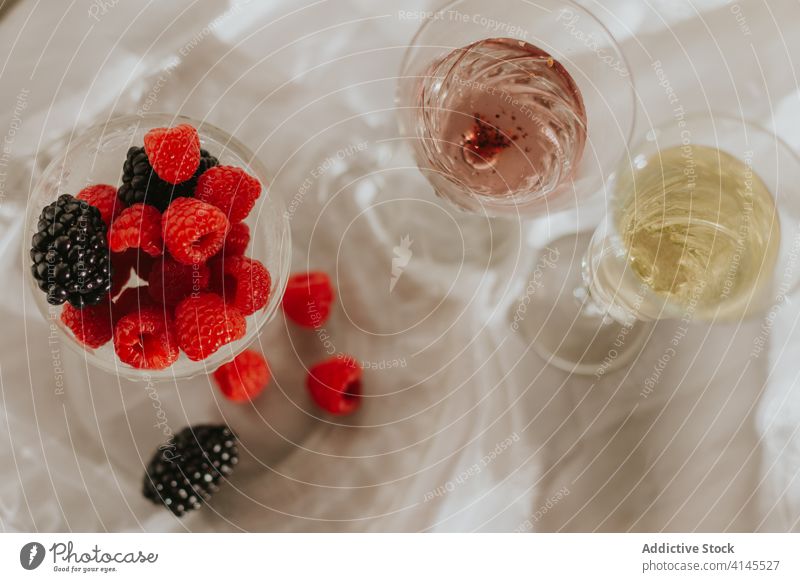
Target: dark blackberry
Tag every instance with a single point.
(140, 183)
(70, 253)
(186, 471)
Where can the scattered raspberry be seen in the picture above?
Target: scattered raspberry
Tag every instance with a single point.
(244, 378)
(308, 297)
(335, 384)
(104, 198)
(131, 300)
(137, 227)
(230, 189)
(170, 282)
(237, 240)
(90, 325)
(243, 282)
(204, 324)
(193, 230)
(145, 339)
(173, 152)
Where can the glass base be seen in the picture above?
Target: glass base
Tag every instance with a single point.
(421, 244)
(564, 326)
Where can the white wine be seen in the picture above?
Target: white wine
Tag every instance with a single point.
(699, 228)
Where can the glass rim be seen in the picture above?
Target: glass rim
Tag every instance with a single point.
(715, 119)
(512, 206)
(412, 44)
(239, 149)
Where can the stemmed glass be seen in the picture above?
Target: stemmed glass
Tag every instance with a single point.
(702, 223)
(513, 111)
(95, 156)
(515, 108)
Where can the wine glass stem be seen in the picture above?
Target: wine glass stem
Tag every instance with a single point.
(593, 307)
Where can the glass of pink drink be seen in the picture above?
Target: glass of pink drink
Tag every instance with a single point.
(515, 108)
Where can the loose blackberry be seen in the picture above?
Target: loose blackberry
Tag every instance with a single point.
(140, 183)
(70, 253)
(185, 471)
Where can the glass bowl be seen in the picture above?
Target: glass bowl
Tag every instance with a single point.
(96, 157)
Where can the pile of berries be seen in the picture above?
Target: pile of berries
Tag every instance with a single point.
(334, 384)
(176, 223)
(185, 472)
(158, 266)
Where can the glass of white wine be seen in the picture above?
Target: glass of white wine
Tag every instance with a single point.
(703, 223)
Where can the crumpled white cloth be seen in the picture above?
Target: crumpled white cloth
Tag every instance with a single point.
(463, 428)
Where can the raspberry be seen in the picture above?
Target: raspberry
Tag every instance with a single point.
(170, 282)
(141, 184)
(145, 339)
(230, 189)
(237, 240)
(137, 227)
(104, 198)
(308, 297)
(131, 300)
(335, 384)
(204, 324)
(243, 282)
(90, 325)
(193, 230)
(244, 378)
(173, 152)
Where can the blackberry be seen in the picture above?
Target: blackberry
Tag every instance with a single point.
(70, 253)
(186, 471)
(140, 183)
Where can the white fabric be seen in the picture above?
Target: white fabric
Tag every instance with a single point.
(470, 431)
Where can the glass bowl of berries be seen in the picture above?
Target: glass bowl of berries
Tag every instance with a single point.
(155, 247)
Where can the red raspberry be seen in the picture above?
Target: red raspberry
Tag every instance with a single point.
(237, 240)
(308, 297)
(205, 324)
(335, 384)
(137, 227)
(193, 230)
(131, 300)
(173, 152)
(244, 378)
(104, 198)
(90, 325)
(230, 189)
(170, 282)
(145, 339)
(243, 282)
